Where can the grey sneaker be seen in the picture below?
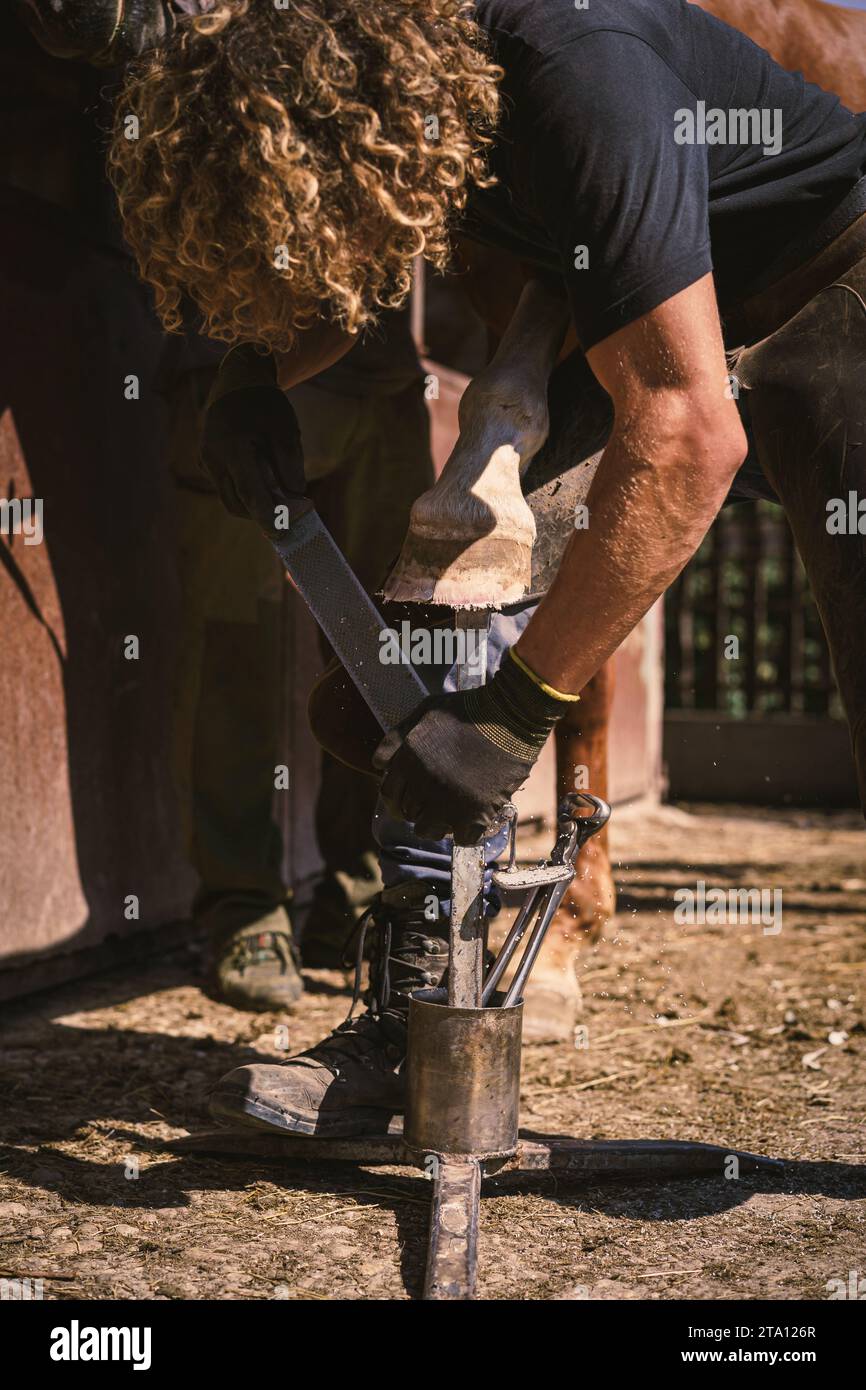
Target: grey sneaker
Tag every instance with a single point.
(253, 967)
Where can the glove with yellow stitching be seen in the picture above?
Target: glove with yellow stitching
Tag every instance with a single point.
(454, 763)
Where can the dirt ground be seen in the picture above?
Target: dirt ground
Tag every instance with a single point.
(719, 1033)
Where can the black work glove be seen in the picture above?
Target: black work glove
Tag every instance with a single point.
(455, 762)
(251, 443)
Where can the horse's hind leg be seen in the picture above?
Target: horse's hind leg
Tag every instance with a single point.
(552, 1000)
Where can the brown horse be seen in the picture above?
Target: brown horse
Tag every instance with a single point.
(827, 44)
(824, 42)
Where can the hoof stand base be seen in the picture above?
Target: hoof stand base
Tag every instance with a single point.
(452, 1253)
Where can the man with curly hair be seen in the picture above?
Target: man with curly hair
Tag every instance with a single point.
(653, 167)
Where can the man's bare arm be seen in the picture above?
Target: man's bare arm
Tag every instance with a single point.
(676, 444)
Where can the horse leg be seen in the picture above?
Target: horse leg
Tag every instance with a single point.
(552, 999)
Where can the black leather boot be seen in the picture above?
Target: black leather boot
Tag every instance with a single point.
(351, 1082)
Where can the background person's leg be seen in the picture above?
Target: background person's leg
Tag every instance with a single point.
(227, 725)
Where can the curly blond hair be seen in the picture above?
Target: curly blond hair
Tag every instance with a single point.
(289, 163)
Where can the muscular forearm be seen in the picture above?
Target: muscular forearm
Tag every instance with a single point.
(655, 494)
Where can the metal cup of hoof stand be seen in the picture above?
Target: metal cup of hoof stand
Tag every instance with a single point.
(462, 1077)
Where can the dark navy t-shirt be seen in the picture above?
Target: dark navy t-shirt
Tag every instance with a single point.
(610, 157)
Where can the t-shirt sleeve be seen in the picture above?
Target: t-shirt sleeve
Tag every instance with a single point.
(607, 174)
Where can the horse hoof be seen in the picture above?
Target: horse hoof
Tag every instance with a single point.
(552, 1000)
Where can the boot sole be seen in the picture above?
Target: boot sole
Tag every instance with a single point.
(235, 1109)
(245, 1005)
(248, 1004)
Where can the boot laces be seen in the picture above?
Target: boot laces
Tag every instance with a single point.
(357, 1039)
(379, 919)
(366, 1037)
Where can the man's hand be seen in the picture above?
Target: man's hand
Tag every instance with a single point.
(452, 766)
(102, 32)
(251, 444)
